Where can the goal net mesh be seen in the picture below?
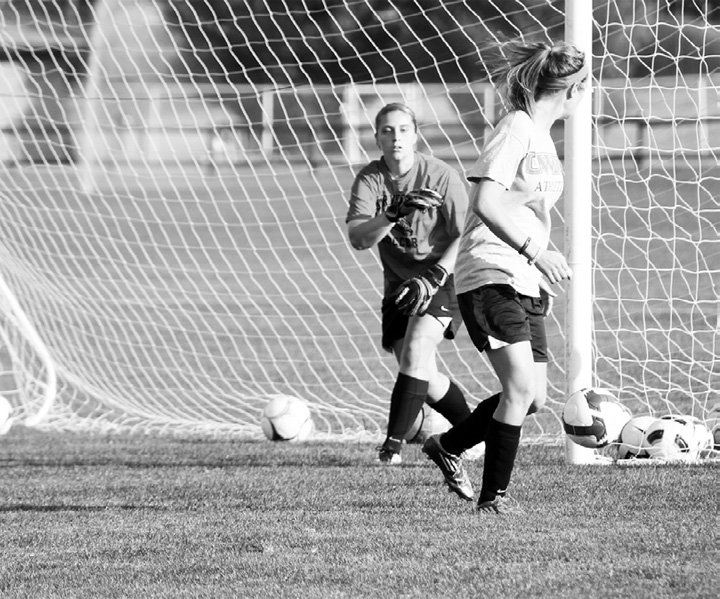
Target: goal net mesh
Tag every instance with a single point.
(175, 177)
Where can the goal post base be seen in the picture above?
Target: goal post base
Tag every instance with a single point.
(578, 455)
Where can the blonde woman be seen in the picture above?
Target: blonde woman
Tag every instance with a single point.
(504, 270)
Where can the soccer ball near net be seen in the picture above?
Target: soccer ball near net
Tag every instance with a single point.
(703, 438)
(631, 437)
(676, 438)
(5, 412)
(669, 438)
(594, 418)
(428, 422)
(287, 418)
(713, 425)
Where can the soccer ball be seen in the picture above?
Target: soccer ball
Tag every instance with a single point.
(5, 419)
(713, 424)
(428, 422)
(631, 437)
(702, 438)
(286, 418)
(594, 418)
(671, 438)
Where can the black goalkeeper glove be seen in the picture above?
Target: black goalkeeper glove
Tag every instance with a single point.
(414, 296)
(419, 199)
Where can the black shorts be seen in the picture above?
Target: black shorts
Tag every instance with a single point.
(443, 304)
(500, 312)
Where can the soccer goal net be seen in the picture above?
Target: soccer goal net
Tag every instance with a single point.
(174, 183)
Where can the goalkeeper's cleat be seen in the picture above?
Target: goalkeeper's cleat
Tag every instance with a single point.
(388, 456)
(500, 505)
(451, 466)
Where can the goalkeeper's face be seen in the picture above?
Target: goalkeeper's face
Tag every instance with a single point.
(396, 136)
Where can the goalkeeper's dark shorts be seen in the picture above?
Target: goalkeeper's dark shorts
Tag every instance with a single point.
(497, 315)
(443, 304)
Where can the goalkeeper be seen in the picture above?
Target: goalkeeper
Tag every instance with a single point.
(412, 207)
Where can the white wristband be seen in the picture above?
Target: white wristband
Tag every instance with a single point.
(532, 253)
(535, 257)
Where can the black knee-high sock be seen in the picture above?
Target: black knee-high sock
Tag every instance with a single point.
(501, 446)
(452, 405)
(406, 401)
(471, 430)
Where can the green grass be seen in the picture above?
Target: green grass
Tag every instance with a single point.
(149, 516)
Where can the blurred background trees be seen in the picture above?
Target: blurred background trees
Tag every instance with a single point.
(336, 42)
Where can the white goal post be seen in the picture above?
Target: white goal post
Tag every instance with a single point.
(174, 178)
(579, 368)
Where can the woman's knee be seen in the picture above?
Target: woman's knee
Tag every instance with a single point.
(417, 351)
(540, 397)
(520, 394)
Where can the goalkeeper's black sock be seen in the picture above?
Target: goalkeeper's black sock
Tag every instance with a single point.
(406, 401)
(452, 405)
(471, 430)
(501, 446)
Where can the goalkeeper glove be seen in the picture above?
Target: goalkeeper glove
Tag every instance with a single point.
(418, 199)
(414, 296)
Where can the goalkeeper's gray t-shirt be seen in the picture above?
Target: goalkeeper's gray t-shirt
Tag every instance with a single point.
(419, 239)
(521, 157)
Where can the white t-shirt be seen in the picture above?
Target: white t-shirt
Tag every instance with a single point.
(521, 157)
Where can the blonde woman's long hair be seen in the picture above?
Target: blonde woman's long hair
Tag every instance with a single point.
(523, 72)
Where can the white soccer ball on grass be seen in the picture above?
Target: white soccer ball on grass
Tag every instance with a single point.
(713, 424)
(287, 418)
(672, 438)
(594, 417)
(5, 415)
(631, 437)
(428, 422)
(702, 438)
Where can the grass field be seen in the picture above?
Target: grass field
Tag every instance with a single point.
(135, 516)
